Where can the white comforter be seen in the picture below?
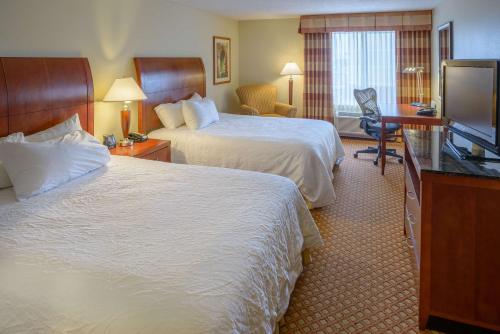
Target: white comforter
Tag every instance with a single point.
(303, 150)
(149, 247)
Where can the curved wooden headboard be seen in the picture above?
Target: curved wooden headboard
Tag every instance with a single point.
(37, 93)
(166, 80)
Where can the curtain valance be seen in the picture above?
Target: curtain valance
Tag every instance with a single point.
(394, 21)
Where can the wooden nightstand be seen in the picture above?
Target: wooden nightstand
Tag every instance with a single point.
(151, 149)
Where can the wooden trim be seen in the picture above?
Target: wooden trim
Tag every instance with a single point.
(214, 57)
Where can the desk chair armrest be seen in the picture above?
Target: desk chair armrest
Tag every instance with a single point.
(247, 110)
(285, 109)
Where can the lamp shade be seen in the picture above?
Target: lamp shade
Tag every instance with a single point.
(291, 69)
(124, 89)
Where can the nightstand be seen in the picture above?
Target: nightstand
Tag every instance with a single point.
(151, 149)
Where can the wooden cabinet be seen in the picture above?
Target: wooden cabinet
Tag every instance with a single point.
(452, 224)
(151, 149)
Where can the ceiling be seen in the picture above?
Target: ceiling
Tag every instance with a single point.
(266, 9)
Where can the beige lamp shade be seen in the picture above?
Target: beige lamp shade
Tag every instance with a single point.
(291, 69)
(124, 89)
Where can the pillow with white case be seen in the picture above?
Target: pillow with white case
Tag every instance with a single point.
(4, 177)
(199, 114)
(37, 167)
(170, 114)
(70, 125)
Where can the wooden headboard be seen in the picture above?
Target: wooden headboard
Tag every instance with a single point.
(37, 93)
(166, 80)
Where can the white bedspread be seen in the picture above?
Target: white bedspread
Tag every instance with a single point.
(303, 150)
(148, 247)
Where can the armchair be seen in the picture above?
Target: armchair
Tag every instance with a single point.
(260, 100)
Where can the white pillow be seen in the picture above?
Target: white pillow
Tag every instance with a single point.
(4, 177)
(170, 114)
(196, 97)
(70, 125)
(35, 168)
(199, 114)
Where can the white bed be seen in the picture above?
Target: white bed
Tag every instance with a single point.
(149, 247)
(303, 150)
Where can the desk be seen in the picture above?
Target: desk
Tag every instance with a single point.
(402, 114)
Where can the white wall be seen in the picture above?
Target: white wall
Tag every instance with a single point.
(110, 33)
(476, 32)
(265, 47)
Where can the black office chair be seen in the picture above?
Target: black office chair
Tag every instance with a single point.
(370, 122)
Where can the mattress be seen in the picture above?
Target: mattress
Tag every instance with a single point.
(148, 247)
(303, 150)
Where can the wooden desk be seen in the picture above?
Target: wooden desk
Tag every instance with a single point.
(402, 114)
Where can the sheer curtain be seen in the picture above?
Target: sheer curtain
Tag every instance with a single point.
(361, 60)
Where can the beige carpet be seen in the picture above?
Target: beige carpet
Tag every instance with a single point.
(363, 279)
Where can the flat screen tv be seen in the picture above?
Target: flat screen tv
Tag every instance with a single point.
(470, 102)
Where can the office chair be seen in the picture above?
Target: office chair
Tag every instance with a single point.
(370, 122)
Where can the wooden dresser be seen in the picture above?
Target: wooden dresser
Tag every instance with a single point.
(452, 223)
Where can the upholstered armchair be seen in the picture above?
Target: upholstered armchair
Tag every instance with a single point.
(260, 100)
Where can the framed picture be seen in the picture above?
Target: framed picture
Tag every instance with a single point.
(222, 60)
(445, 35)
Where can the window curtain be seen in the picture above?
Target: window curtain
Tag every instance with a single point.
(413, 48)
(318, 98)
(362, 60)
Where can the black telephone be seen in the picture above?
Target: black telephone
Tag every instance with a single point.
(427, 112)
(137, 137)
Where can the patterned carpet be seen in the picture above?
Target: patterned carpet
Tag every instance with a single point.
(363, 280)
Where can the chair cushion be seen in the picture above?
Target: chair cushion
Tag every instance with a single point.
(389, 127)
(272, 115)
(261, 97)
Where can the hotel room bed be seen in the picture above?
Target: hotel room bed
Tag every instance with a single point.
(305, 151)
(138, 245)
(142, 246)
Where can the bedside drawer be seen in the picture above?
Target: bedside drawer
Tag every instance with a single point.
(160, 155)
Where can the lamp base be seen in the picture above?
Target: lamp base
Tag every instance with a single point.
(126, 142)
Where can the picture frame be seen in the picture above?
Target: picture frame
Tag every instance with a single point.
(445, 49)
(221, 60)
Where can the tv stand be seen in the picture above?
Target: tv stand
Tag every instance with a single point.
(452, 225)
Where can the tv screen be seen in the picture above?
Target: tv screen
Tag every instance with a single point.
(469, 93)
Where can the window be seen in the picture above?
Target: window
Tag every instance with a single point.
(361, 60)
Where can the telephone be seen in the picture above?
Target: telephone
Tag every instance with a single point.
(426, 112)
(137, 137)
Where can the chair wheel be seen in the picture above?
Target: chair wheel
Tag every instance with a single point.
(375, 162)
(355, 155)
(400, 160)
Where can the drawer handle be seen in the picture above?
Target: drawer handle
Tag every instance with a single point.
(410, 217)
(409, 244)
(411, 195)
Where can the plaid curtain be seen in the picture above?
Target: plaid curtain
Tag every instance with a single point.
(413, 48)
(318, 95)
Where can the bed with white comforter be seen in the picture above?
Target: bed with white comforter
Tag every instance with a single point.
(148, 247)
(303, 150)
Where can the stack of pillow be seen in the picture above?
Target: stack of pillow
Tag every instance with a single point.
(196, 113)
(37, 163)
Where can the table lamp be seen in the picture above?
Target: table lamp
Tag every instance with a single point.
(291, 69)
(420, 89)
(125, 90)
